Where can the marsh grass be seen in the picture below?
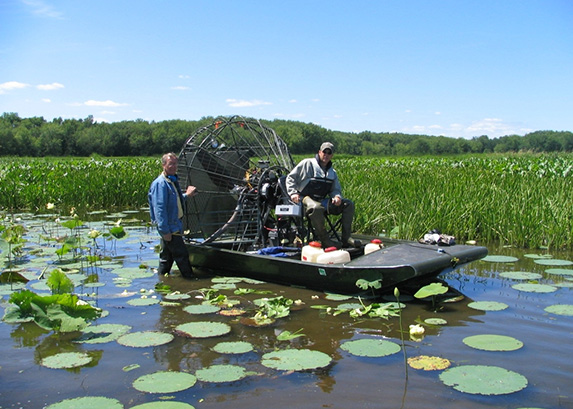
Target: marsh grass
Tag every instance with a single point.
(521, 200)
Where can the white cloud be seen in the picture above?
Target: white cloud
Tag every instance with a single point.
(10, 85)
(42, 9)
(50, 87)
(108, 103)
(293, 101)
(235, 103)
(46, 100)
(184, 76)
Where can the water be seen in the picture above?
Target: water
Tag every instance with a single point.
(348, 382)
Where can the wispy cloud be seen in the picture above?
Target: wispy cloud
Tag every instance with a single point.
(50, 87)
(241, 103)
(43, 9)
(180, 88)
(10, 85)
(108, 103)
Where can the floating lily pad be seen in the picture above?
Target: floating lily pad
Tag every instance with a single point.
(203, 329)
(487, 305)
(164, 382)
(143, 302)
(483, 380)
(201, 309)
(232, 312)
(221, 373)
(145, 339)
(337, 297)
(553, 262)
(295, 359)
(560, 309)
(88, 402)
(163, 405)
(238, 347)
(429, 363)
(349, 306)
(538, 256)
(66, 360)
(100, 334)
(224, 286)
(534, 288)
(560, 271)
(177, 296)
(370, 347)
(520, 275)
(435, 321)
(489, 342)
(500, 259)
(226, 280)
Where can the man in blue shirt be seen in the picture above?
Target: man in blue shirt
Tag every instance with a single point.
(167, 207)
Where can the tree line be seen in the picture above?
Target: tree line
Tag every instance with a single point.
(36, 137)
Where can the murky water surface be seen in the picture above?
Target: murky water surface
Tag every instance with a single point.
(348, 382)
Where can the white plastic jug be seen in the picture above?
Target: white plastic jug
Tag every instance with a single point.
(374, 245)
(311, 251)
(333, 257)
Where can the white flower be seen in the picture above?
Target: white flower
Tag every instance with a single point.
(50, 206)
(417, 330)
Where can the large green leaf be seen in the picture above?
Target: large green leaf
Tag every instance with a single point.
(483, 380)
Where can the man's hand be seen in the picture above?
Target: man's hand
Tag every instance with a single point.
(337, 200)
(191, 191)
(295, 197)
(168, 237)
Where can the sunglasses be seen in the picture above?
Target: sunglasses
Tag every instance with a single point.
(327, 152)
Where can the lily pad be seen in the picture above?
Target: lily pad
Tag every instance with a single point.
(100, 334)
(87, 402)
(435, 321)
(145, 339)
(201, 309)
(66, 360)
(534, 288)
(176, 296)
(500, 259)
(164, 382)
(489, 342)
(483, 380)
(370, 347)
(221, 373)
(553, 262)
(296, 359)
(337, 297)
(560, 271)
(143, 302)
(520, 275)
(429, 363)
(431, 290)
(238, 347)
(488, 305)
(203, 329)
(163, 405)
(560, 309)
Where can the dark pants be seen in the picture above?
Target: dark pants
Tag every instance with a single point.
(174, 251)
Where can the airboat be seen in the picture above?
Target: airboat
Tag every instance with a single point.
(242, 223)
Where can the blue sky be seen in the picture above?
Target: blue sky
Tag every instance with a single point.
(455, 68)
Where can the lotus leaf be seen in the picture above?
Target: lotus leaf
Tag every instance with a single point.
(560, 309)
(224, 286)
(145, 339)
(143, 302)
(560, 271)
(163, 405)
(87, 402)
(553, 262)
(295, 359)
(238, 347)
(488, 305)
(534, 288)
(221, 373)
(164, 382)
(431, 290)
(489, 342)
(370, 347)
(203, 329)
(100, 334)
(201, 309)
(428, 363)
(66, 360)
(500, 259)
(337, 297)
(483, 380)
(435, 321)
(177, 296)
(521, 275)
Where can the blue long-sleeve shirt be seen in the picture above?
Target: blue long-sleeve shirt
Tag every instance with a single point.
(163, 208)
